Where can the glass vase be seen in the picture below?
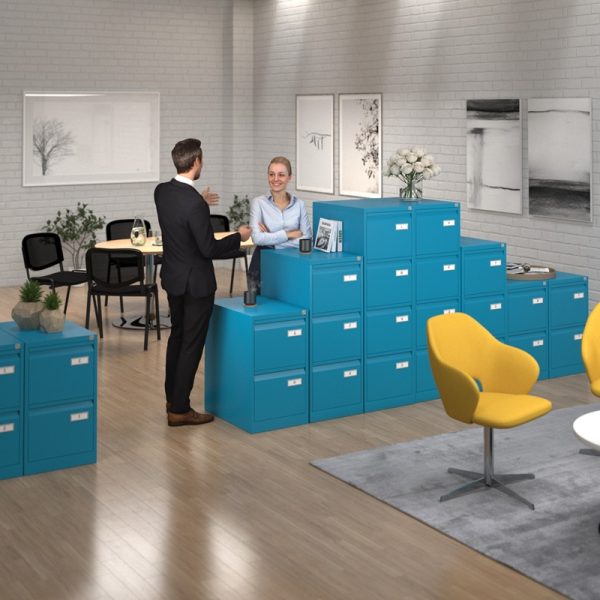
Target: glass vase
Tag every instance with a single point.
(138, 232)
(411, 191)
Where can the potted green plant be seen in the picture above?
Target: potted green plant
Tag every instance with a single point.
(239, 212)
(77, 230)
(52, 319)
(26, 313)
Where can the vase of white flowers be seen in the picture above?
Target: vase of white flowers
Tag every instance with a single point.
(411, 166)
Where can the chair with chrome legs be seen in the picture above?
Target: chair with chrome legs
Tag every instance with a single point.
(221, 223)
(590, 353)
(483, 381)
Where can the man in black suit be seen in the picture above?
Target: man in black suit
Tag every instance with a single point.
(188, 276)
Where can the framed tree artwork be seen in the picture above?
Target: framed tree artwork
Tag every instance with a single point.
(314, 143)
(90, 137)
(560, 158)
(360, 145)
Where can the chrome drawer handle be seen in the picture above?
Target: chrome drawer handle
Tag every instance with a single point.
(9, 370)
(402, 319)
(7, 427)
(449, 267)
(496, 306)
(495, 263)
(352, 277)
(402, 365)
(351, 325)
(294, 332)
(79, 416)
(401, 272)
(80, 360)
(401, 226)
(537, 301)
(449, 223)
(294, 382)
(537, 343)
(351, 373)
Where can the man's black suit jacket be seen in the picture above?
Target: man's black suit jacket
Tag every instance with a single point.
(189, 244)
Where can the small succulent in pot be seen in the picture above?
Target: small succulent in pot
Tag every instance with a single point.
(52, 320)
(26, 313)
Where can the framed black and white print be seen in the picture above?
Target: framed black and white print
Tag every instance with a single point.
(494, 155)
(314, 143)
(90, 137)
(360, 145)
(560, 158)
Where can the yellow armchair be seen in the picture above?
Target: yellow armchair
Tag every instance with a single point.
(590, 353)
(483, 381)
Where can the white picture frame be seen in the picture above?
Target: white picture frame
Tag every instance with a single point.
(76, 138)
(314, 143)
(360, 145)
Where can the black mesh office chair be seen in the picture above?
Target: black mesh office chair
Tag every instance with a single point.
(42, 251)
(104, 280)
(221, 223)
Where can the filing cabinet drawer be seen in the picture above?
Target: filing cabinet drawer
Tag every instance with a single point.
(535, 344)
(61, 375)
(10, 382)
(527, 311)
(438, 231)
(437, 277)
(389, 235)
(337, 389)
(280, 345)
(336, 338)
(280, 395)
(389, 283)
(389, 376)
(425, 380)
(337, 290)
(426, 311)
(58, 432)
(490, 311)
(389, 330)
(484, 272)
(568, 305)
(11, 461)
(565, 351)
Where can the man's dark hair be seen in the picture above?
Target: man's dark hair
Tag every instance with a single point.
(185, 153)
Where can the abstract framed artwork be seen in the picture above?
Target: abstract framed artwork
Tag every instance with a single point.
(560, 158)
(360, 145)
(314, 143)
(90, 137)
(494, 155)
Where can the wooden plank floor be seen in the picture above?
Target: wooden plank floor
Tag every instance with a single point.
(212, 512)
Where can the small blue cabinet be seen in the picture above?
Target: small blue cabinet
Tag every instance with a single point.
(11, 407)
(59, 397)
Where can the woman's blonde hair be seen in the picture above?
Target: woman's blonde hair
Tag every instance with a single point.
(281, 160)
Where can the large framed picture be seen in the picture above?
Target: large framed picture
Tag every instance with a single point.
(90, 137)
(560, 158)
(314, 143)
(360, 145)
(494, 157)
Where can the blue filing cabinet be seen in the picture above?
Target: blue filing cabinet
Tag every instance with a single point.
(329, 286)
(59, 397)
(266, 347)
(11, 407)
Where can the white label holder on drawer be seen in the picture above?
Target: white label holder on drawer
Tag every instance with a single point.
(496, 306)
(351, 325)
(578, 336)
(80, 416)
(401, 226)
(401, 318)
(402, 365)
(80, 360)
(578, 296)
(294, 332)
(7, 427)
(8, 370)
(449, 311)
(401, 272)
(449, 223)
(353, 277)
(537, 301)
(294, 382)
(450, 267)
(538, 343)
(495, 263)
(351, 373)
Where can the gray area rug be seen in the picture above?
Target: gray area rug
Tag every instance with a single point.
(557, 545)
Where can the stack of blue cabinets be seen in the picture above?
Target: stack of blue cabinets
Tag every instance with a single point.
(412, 272)
(59, 396)
(330, 287)
(484, 283)
(266, 346)
(11, 407)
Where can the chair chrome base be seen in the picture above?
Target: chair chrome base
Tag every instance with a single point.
(590, 451)
(488, 479)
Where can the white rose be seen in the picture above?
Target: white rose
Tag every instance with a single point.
(436, 169)
(386, 172)
(427, 173)
(406, 169)
(395, 170)
(411, 157)
(427, 160)
(418, 167)
(404, 152)
(420, 152)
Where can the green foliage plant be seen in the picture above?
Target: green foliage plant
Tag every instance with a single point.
(76, 229)
(239, 212)
(30, 291)
(52, 301)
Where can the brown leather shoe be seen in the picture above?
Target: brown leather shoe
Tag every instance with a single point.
(189, 418)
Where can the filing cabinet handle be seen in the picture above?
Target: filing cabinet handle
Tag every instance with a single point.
(80, 360)
(578, 336)
(538, 343)
(496, 306)
(7, 370)
(537, 300)
(450, 267)
(401, 318)
(351, 373)
(401, 226)
(449, 223)
(7, 427)
(351, 325)
(79, 416)
(496, 262)
(294, 382)
(294, 332)
(578, 296)
(402, 365)
(351, 277)
(401, 272)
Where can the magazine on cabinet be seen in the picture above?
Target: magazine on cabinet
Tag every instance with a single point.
(329, 236)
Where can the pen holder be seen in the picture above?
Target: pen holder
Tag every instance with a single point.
(250, 298)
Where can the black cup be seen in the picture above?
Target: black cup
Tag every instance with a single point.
(250, 298)
(305, 245)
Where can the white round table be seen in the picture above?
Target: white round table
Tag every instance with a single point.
(587, 429)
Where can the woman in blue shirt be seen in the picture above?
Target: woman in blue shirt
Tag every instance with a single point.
(278, 219)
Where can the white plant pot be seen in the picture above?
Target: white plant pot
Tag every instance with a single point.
(27, 314)
(52, 321)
